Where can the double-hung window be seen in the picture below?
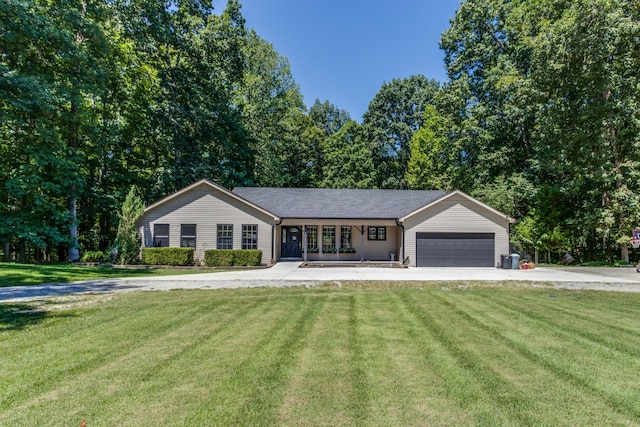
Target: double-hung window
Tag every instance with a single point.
(312, 238)
(188, 235)
(377, 233)
(160, 235)
(328, 238)
(225, 236)
(249, 236)
(345, 236)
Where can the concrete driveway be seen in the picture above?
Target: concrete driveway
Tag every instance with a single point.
(286, 274)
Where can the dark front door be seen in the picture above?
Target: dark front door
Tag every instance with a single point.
(291, 242)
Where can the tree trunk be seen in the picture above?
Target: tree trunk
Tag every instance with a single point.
(21, 252)
(74, 253)
(624, 252)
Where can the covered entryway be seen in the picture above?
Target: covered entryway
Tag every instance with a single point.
(291, 243)
(455, 249)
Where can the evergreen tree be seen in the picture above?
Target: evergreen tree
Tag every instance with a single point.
(128, 242)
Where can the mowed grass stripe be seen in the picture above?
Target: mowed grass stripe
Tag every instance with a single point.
(402, 388)
(613, 336)
(616, 303)
(372, 374)
(188, 381)
(359, 405)
(609, 319)
(482, 394)
(120, 374)
(50, 361)
(568, 356)
(251, 390)
(517, 385)
(320, 386)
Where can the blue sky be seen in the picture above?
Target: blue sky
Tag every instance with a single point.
(343, 50)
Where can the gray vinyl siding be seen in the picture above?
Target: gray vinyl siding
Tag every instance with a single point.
(207, 207)
(457, 214)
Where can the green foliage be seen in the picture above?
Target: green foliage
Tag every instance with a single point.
(168, 256)
(231, 257)
(328, 117)
(93, 256)
(347, 159)
(430, 158)
(510, 195)
(543, 99)
(287, 145)
(128, 240)
(394, 115)
(247, 257)
(218, 257)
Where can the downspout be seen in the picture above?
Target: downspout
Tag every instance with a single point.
(401, 225)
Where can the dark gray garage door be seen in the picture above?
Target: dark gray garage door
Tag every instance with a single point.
(455, 250)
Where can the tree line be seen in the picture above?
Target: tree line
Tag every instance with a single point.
(539, 118)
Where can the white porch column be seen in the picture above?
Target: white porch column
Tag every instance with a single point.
(362, 243)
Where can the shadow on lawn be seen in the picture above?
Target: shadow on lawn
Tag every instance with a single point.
(15, 317)
(31, 274)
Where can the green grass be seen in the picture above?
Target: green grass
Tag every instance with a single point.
(35, 274)
(363, 354)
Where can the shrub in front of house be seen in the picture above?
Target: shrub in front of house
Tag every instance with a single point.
(167, 256)
(218, 257)
(248, 257)
(230, 257)
(92, 256)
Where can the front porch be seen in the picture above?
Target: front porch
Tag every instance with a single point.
(339, 241)
(371, 264)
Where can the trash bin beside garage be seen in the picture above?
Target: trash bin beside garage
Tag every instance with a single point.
(505, 261)
(515, 261)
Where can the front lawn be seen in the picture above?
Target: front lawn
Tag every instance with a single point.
(362, 354)
(34, 274)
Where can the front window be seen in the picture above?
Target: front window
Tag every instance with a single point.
(328, 239)
(312, 238)
(249, 236)
(377, 233)
(161, 235)
(188, 236)
(225, 236)
(345, 236)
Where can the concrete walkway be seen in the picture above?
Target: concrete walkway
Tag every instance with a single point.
(286, 274)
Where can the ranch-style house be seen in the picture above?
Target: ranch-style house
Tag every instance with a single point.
(415, 227)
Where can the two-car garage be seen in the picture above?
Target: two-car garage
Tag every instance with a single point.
(456, 231)
(455, 249)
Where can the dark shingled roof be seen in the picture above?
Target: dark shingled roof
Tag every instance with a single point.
(337, 203)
